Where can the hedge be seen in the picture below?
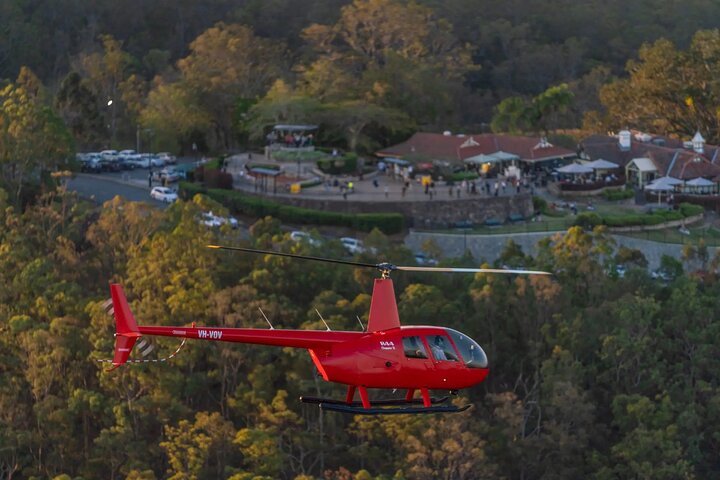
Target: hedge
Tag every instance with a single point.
(688, 209)
(460, 176)
(616, 194)
(338, 165)
(302, 155)
(388, 223)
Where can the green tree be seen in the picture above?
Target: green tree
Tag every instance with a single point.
(670, 91)
(228, 62)
(33, 139)
(104, 72)
(366, 56)
(78, 106)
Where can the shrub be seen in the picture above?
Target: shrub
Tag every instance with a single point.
(688, 209)
(214, 164)
(218, 179)
(460, 176)
(310, 183)
(539, 203)
(388, 223)
(339, 165)
(294, 156)
(588, 220)
(618, 194)
(269, 166)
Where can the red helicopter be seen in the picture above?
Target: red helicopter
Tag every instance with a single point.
(385, 355)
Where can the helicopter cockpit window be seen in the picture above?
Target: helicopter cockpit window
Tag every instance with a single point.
(472, 354)
(441, 348)
(414, 348)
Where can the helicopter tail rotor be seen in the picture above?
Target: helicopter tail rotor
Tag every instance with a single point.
(126, 329)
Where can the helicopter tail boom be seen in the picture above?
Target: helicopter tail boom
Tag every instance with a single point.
(126, 329)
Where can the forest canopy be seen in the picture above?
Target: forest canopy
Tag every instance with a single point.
(616, 376)
(183, 72)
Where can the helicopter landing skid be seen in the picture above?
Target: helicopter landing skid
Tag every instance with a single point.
(385, 402)
(344, 408)
(399, 406)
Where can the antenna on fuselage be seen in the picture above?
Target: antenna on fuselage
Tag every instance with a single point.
(362, 327)
(266, 319)
(323, 320)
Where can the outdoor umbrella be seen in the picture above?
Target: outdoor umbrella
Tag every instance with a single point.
(663, 184)
(700, 185)
(601, 164)
(574, 168)
(700, 182)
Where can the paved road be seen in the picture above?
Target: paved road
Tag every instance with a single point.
(104, 187)
(133, 186)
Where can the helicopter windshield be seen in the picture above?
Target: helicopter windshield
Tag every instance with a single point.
(472, 354)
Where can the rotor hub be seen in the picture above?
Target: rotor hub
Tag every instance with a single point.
(385, 269)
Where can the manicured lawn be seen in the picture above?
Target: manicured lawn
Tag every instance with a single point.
(672, 235)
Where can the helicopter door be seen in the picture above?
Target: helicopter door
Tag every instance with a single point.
(445, 359)
(441, 348)
(415, 352)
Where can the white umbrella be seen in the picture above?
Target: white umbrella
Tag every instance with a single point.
(574, 168)
(601, 164)
(663, 184)
(700, 182)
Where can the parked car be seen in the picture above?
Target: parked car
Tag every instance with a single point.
(163, 194)
(352, 245)
(167, 158)
(110, 155)
(155, 161)
(662, 275)
(300, 236)
(109, 165)
(90, 165)
(211, 220)
(139, 161)
(168, 174)
(425, 261)
(618, 270)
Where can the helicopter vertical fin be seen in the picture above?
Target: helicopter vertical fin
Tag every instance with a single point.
(126, 329)
(383, 309)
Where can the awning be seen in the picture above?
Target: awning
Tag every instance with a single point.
(396, 161)
(505, 156)
(496, 157)
(481, 159)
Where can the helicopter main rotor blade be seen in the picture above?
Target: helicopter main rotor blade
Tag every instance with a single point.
(471, 270)
(384, 267)
(292, 255)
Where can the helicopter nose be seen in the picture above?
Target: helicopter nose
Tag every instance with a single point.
(480, 374)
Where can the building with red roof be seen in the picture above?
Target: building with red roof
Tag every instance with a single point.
(534, 152)
(646, 157)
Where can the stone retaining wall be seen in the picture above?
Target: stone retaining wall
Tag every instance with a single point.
(434, 213)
